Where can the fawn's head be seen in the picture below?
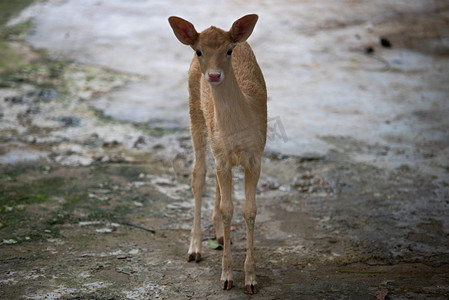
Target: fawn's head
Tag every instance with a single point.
(214, 46)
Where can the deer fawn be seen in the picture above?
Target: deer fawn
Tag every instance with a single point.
(228, 104)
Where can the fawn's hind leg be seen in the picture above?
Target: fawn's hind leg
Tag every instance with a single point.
(249, 212)
(216, 215)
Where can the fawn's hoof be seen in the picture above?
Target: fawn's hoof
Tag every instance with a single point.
(251, 289)
(220, 240)
(194, 257)
(226, 284)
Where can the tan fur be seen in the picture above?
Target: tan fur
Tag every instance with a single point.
(232, 115)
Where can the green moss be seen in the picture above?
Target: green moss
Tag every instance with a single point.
(178, 252)
(58, 219)
(130, 172)
(15, 32)
(11, 8)
(41, 72)
(42, 207)
(9, 59)
(40, 198)
(98, 169)
(33, 192)
(74, 199)
(11, 172)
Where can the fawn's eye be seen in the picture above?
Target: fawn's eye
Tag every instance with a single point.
(199, 53)
(229, 52)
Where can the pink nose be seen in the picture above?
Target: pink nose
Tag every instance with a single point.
(214, 77)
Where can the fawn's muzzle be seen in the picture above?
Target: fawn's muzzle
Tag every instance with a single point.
(214, 77)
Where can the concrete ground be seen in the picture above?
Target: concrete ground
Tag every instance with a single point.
(95, 204)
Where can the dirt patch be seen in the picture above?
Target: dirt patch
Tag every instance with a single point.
(122, 238)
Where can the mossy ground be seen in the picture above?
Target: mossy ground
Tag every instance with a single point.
(35, 201)
(39, 198)
(10, 9)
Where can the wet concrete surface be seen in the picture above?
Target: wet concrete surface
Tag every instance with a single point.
(95, 207)
(321, 79)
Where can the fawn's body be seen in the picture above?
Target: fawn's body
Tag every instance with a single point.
(228, 106)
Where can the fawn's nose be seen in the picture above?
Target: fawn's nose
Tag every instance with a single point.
(214, 77)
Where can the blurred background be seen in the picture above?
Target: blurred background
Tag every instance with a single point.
(96, 155)
(372, 70)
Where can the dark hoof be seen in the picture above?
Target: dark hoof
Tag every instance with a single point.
(226, 285)
(194, 257)
(251, 289)
(220, 240)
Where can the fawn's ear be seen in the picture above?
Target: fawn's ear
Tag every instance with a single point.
(242, 28)
(184, 30)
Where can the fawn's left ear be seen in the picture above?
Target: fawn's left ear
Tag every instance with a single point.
(184, 30)
(242, 28)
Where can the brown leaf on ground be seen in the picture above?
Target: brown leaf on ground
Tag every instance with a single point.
(382, 295)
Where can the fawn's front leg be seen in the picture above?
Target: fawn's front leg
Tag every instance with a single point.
(224, 177)
(249, 212)
(198, 178)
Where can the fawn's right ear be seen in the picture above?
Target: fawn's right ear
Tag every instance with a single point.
(184, 30)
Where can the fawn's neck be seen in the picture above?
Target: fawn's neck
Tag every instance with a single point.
(230, 104)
